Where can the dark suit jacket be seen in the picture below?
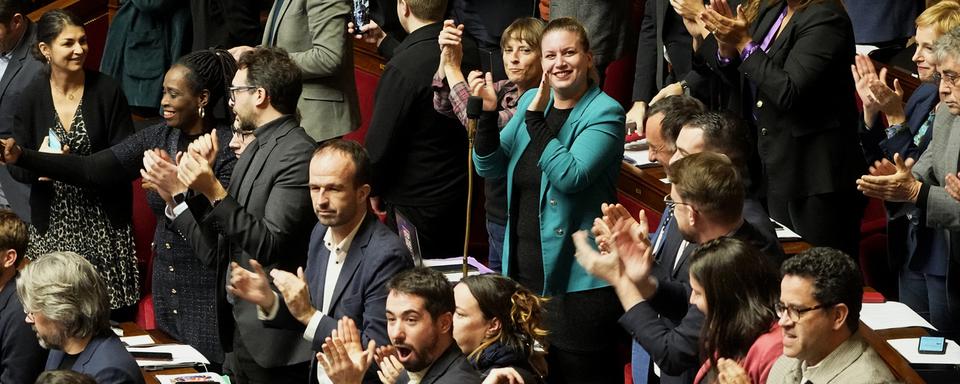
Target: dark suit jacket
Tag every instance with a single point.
(105, 359)
(804, 100)
(107, 118)
(666, 325)
(266, 216)
(375, 256)
(658, 15)
(21, 356)
(877, 146)
(225, 23)
(21, 70)
(451, 367)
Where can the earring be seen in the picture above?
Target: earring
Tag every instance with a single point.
(201, 111)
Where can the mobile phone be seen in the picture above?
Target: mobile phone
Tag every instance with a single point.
(53, 141)
(140, 355)
(361, 15)
(486, 60)
(932, 345)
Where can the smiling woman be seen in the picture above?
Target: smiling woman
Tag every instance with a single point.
(184, 288)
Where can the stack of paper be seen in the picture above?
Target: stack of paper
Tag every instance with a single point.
(891, 315)
(205, 377)
(452, 267)
(182, 355)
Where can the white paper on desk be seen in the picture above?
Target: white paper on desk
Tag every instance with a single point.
(452, 267)
(784, 233)
(136, 341)
(190, 377)
(890, 315)
(181, 354)
(639, 158)
(908, 348)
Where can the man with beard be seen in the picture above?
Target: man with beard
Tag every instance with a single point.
(263, 216)
(351, 257)
(420, 309)
(21, 358)
(66, 302)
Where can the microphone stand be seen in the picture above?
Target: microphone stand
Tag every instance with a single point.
(474, 107)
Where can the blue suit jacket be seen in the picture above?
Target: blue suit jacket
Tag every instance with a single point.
(21, 356)
(375, 256)
(579, 167)
(877, 146)
(105, 359)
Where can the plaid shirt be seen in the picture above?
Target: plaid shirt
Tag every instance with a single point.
(454, 104)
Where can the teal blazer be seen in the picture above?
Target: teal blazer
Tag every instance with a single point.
(580, 169)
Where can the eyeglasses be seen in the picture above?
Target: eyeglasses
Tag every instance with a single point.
(234, 89)
(794, 313)
(31, 315)
(673, 204)
(949, 77)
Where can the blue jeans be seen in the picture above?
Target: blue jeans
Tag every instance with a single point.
(495, 233)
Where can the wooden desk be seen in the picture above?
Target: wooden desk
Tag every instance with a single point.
(159, 337)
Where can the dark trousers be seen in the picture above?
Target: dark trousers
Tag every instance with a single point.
(587, 345)
(439, 227)
(927, 294)
(824, 220)
(242, 369)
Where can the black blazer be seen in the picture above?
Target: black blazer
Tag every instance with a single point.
(451, 367)
(107, 118)
(21, 356)
(375, 256)
(21, 70)
(266, 216)
(804, 101)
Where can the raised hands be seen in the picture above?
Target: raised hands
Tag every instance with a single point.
(874, 93)
(731, 31)
(295, 293)
(195, 172)
(206, 146)
(731, 373)
(899, 186)
(159, 174)
(343, 358)
(390, 367)
(540, 101)
(451, 48)
(481, 84)
(252, 286)
(624, 246)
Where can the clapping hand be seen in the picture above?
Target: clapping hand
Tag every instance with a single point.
(901, 186)
(252, 286)
(159, 174)
(343, 358)
(539, 103)
(295, 293)
(481, 84)
(731, 31)
(390, 367)
(11, 151)
(206, 146)
(195, 172)
(731, 373)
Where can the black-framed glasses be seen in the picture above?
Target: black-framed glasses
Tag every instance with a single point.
(234, 88)
(949, 77)
(668, 200)
(794, 313)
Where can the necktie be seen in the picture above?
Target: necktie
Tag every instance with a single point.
(273, 23)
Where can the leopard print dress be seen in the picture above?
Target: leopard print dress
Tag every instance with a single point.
(78, 223)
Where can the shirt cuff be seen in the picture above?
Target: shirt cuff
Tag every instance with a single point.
(312, 326)
(265, 316)
(748, 50)
(174, 213)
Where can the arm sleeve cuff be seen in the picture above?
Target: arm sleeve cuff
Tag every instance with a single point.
(312, 326)
(266, 316)
(488, 133)
(748, 50)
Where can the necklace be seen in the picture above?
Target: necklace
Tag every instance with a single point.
(72, 95)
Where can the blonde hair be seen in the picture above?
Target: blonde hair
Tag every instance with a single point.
(942, 16)
(526, 29)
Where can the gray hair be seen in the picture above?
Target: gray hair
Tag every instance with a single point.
(65, 288)
(948, 45)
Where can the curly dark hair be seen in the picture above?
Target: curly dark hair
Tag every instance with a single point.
(429, 284)
(836, 279)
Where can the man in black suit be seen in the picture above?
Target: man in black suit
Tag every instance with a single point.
(351, 258)
(21, 357)
(706, 198)
(420, 309)
(264, 216)
(17, 68)
(418, 155)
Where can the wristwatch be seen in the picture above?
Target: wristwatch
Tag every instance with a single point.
(180, 198)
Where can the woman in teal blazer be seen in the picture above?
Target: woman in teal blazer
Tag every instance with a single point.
(571, 136)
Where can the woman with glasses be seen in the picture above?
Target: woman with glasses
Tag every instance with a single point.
(184, 288)
(72, 110)
(561, 158)
(737, 288)
(786, 64)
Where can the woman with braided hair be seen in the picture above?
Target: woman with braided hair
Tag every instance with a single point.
(496, 324)
(184, 288)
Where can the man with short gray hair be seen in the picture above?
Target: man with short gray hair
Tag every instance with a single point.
(66, 302)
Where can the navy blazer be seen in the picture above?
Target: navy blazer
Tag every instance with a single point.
(21, 70)
(105, 359)
(375, 256)
(21, 356)
(877, 146)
